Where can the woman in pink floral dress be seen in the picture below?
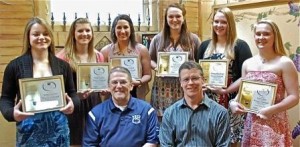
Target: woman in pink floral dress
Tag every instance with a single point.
(270, 126)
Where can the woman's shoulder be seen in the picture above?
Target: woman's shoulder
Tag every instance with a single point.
(140, 46)
(107, 47)
(15, 62)
(206, 41)
(61, 54)
(285, 60)
(195, 36)
(99, 56)
(240, 42)
(157, 36)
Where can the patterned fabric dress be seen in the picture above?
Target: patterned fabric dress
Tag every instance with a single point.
(236, 121)
(166, 90)
(51, 129)
(275, 131)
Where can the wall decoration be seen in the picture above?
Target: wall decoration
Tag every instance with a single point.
(103, 42)
(146, 39)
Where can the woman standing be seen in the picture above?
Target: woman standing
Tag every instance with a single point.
(37, 60)
(225, 45)
(174, 37)
(270, 126)
(79, 48)
(124, 44)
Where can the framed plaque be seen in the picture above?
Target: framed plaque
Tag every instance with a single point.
(256, 95)
(169, 63)
(92, 76)
(215, 72)
(42, 94)
(132, 63)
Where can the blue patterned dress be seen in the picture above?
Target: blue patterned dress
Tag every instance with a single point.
(48, 129)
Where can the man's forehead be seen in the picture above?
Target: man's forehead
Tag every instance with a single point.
(118, 75)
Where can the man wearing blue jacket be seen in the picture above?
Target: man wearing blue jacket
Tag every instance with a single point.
(121, 120)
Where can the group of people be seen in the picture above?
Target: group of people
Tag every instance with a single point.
(183, 111)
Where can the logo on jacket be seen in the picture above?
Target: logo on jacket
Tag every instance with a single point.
(136, 119)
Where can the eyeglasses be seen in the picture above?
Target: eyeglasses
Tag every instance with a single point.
(121, 82)
(193, 79)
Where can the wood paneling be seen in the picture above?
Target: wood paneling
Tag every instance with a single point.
(15, 14)
(7, 59)
(11, 43)
(13, 22)
(16, 8)
(12, 30)
(10, 51)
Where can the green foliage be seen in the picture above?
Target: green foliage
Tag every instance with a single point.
(298, 50)
(288, 45)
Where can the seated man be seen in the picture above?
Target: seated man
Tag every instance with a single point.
(121, 120)
(195, 120)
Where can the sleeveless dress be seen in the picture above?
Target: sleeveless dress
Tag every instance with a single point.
(78, 118)
(274, 132)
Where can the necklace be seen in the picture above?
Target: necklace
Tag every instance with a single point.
(263, 61)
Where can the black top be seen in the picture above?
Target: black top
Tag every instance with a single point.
(241, 50)
(22, 67)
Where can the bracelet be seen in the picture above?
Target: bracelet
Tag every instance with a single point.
(140, 82)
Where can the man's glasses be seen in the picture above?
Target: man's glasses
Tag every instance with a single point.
(121, 82)
(193, 79)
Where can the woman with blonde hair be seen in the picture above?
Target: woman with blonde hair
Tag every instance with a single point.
(225, 45)
(37, 60)
(270, 126)
(79, 48)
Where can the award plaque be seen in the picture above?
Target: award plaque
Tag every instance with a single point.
(92, 76)
(42, 94)
(215, 72)
(169, 63)
(256, 95)
(132, 63)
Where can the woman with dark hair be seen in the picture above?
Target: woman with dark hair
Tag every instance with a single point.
(174, 37)
(37, 60)
(79, 48)
(125, 44)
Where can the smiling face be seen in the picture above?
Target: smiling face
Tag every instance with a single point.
(120, 86)
(220, 24)
(191, 82)
(122, 30)
(175, 18)
(264, 36)
(83, 33)
(39, 38)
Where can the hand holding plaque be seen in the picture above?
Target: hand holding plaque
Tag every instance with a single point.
(92, 76)
(169, 63)
(256, 95)
(215, 72)
(42, 94)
